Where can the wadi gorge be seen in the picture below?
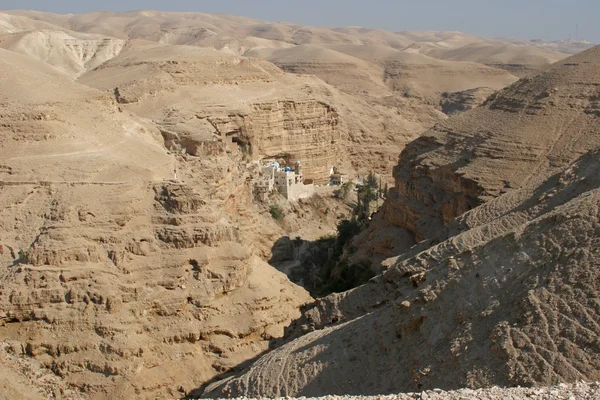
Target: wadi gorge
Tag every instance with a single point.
(501, 288)
(134, 251)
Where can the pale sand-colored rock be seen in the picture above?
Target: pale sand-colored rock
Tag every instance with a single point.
(364, 69)
(156, 275)
(519, 60)
(583, 391)
(519, 136)
(509, 295)
(127, 214)
(70, 52)
(271, 113)
(386, 102)
(511, 300)
(456, 102)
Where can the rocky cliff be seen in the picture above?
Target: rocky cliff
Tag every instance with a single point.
(453, 103)
(306, 130)
(243, 104)
(519, 135)
(509, 301)
(127, 270)
(132, 252)
(509, 294)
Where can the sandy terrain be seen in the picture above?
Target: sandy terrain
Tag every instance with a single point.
(133, 252)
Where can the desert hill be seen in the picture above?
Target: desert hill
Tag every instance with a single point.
(345, 72)
(10, 23)
(221, 30)
(106, 232)
(521, 134)
(371, 69)
(424, 77)
(511, 301)
(232, 98)
(71, 52)
(129, 147)
(379, 72)
(253, 102)
(518, 60)
(509, 294)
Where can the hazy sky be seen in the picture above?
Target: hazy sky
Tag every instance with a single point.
(526, 19)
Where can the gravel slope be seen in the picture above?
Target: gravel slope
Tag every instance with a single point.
(580, 391)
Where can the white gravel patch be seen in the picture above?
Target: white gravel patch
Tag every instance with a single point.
(579, 391)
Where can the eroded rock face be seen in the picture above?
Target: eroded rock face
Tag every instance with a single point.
(208, 102)
(141, 287)
(503, 292)
(453, 103)
(510, 300)
(306, 130)
(126, 270)
(519, 135)
(70, 52)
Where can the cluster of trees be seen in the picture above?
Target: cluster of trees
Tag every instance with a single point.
(335, 273)
(367, 193)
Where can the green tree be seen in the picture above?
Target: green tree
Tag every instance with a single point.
(347, 229)
(297, 245)
(344, 190)
(276, 212)
(371, 181)
(367, 193)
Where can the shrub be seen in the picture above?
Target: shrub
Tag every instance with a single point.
(344, 190)
(347, 229)
(344, 276)
(276, 212)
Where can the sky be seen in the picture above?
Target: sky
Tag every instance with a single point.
(523, 19)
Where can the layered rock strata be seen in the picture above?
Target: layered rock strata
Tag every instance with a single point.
(511, 300)
(519, 135)
(504, 292)
(128, 271)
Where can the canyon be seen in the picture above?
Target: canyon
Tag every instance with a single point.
(134, 251)
(500, 288)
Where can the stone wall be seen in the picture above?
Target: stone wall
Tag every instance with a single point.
(300, 191)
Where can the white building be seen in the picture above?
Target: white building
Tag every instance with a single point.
(337, 179)
(288, 182)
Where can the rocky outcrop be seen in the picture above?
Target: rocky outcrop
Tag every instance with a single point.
(504, 290)
(71, 52)
(296, 130)
(127, 270)
(142, 288)
(510, 300)
(456, 102)
(275, 115)
(519, 135)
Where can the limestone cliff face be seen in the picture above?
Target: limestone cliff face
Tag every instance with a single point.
(453, 103)
(208, 102)
(509, 299)
(152, 277)
(519, 135)
(305, 130)
(126, 268)
(426, 198)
